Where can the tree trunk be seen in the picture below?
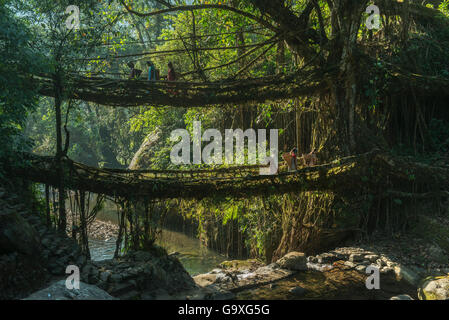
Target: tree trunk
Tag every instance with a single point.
(59, 153)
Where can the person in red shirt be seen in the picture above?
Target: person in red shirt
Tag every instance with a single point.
(294, 154)
(171, 76)
(171, 72)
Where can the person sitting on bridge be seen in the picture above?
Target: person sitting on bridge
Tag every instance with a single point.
(135, 73)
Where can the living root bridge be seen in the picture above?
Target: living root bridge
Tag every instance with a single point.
(368, 172)
(133, 93)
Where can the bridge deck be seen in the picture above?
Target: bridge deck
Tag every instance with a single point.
(353, 173)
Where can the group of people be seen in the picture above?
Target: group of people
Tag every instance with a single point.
(153, 72)
(307, 160)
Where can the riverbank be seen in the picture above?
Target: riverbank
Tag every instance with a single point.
(403, 262)
(337, 274)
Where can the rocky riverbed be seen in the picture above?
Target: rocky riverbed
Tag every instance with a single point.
(97, 230)
(34, 256)
(337, 274)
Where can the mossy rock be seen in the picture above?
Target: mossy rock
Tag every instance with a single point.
(17, 235)
(250, 264)
(434, 288)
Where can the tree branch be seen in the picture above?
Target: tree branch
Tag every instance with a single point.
(202, 7)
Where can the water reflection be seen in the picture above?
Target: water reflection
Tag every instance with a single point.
(195, 257)
(101, 249)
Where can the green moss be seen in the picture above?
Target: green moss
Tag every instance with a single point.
(427, 295)
(241, 264)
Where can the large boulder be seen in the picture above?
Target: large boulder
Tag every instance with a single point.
(434, 288)
(59, 291)
(20, 275)
(295, 261)
(16, 234)
(139, 275)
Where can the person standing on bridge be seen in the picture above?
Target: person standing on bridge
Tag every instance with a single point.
(135, 73)
(294, 154)
(171, 75)
(153, 72)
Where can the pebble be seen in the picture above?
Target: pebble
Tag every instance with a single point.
(350, 264)
(298, 291)
(372, 257)
(356, 257)
(401, 297)
(361, 268)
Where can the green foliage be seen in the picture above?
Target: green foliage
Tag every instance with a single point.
(17, 99)
(444, 7)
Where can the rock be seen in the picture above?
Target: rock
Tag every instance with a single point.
(298, 291)
(401, 297)
(390, 264)
(59, 291)
(387, 270)
(121, 289)
(141, 256)
(372, 257)
(356, 257)
(295, 261)
(17, 235)
(104, 276)
(273, 266)
(434, 288)
(204, 280)
(380, 262)
(140, 273)
(214, 292)
(327, 258)
(221, 294)
(216, 270)
(132, 295)
(361, 268)
(239, 265)
(350, 264)
(116, 277)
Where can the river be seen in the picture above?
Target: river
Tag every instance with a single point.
(195, 258)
